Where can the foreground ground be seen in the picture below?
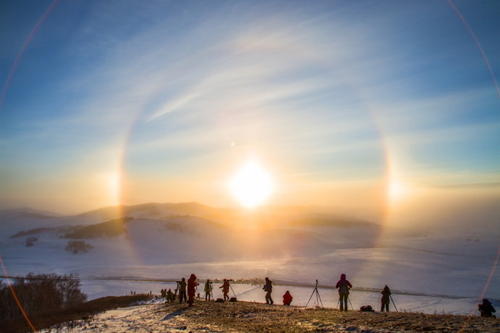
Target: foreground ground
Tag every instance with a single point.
(254, 317)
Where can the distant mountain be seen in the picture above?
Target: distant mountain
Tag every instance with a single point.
(181, 216)
(14, 220)
(266, 216)
(17, 213)
(153, 210)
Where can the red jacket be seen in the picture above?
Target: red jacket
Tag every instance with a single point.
(192, 285)
(287, 298)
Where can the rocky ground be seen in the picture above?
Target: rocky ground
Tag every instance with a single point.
(254, 317)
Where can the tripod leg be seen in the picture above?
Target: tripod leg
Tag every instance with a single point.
(309, 298)
(319, 297)
(395, 307)
(232, 290)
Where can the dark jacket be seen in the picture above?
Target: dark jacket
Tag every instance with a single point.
(486, 308)
(268, 286)
(386, 294)
(343, 285)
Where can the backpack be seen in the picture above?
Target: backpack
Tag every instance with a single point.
(366, 308)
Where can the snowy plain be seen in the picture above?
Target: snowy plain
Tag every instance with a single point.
(429, 273)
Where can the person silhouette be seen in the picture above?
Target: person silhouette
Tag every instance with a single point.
(287, 298)
(191, 289)
(208, 290)
(268, 287)
(386, 299)
(486, 308)
(343, 285)
(225, 289)
(182, 291)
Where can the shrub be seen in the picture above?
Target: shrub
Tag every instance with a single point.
(77, 247)
(39, 293)
(30, 241)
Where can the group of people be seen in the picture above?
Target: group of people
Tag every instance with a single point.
(186, 293)
(186, 290)
(168, 295)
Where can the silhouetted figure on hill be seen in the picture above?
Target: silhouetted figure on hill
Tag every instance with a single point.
(268, 288)
(208, 290)
(343, 285)
(486, 308)
(182, 290)
(225, 289)
(386, 299)
(191, 289)
(170, 296)
(176, 291)
(287, 298)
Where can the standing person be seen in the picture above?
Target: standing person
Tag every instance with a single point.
(486, 308)
(287, 298)
(170, 296)
(191, 289)
(343, 285)
(268, 287)
(208, 290)
(225, 289)
(182, 291)
(386, 299)
(176, 291)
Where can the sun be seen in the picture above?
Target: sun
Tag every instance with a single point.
(252, 185)
(397, 190)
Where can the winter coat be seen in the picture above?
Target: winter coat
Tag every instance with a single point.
(191, 285)
(225, 287)
(343, 285)
(268, 286)
(287, 298)
(386, 294)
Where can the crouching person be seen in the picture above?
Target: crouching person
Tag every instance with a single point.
(287, 298)
(486, 308)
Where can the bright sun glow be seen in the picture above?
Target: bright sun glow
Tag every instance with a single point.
(397, 190)
(251, 185)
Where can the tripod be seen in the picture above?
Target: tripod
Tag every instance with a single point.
(340, 305)
(393, 303)
(318, 297)
(230, 286)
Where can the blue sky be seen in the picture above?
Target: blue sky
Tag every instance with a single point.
(170, 97)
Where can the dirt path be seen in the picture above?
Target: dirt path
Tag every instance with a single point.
(150, 318)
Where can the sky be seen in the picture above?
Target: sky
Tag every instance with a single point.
(352, 105)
